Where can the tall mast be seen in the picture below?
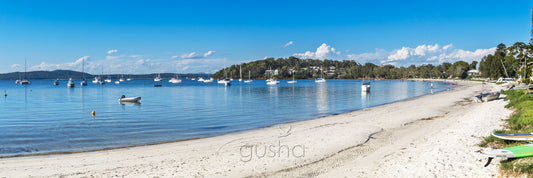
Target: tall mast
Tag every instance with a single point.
(83, 67)
(25, 69)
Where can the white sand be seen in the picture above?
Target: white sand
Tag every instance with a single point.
(433, 135)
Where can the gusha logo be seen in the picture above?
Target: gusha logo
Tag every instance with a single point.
(279, 150)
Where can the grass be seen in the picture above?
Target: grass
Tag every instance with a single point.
(520, 122)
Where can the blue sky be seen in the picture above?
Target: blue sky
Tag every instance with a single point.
(205, 36)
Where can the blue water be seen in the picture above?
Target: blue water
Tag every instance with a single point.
(42, 118)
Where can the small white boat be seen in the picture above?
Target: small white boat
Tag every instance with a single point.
(129, 79)
(117, 82)
(56, 82)
(320, 79)
(200, 79)
(70, 83)
(158, 78)
(130, 99)
(292, 81)
(108, 80)
(174, 80)
(223, 81)
(273, 82)
(365, 87)
(249, 80)
(210, 80)
(25, 82)
(193, 78)
(96, 80)
(121, 78)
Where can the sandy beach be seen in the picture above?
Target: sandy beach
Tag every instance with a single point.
(432, 135)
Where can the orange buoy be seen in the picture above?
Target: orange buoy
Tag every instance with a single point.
(94, 113)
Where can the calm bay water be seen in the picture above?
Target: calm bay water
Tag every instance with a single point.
(43, 118)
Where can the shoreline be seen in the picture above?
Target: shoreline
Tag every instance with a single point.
(309, 143)
(235, 132)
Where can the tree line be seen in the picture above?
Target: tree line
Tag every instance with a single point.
(346, 69)
(513, 61)
(505, 62)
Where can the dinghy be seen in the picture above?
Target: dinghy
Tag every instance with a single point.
(130, 99)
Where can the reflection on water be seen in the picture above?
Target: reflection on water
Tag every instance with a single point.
(58, 119)
(322, 98)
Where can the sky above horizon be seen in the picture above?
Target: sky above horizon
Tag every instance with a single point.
(206, 36)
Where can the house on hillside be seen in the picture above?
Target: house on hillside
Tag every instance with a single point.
(473, 72)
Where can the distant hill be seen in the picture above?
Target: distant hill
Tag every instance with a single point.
(65, 74)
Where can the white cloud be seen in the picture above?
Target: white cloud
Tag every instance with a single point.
(174, 57)
(324, 51)
(288, 44)
(111, 57)
(195, 55)
(112, 51)
(16, 66)
(380, 54)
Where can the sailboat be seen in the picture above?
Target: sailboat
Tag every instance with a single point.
(249, 80)
(20, 79)
(100, 81)
(320, 79)
(225, 80)
(158, 78)
(118, 81)
(83, 80)
(175, 79)
(70, 83)
(25, 81)
(240, 71)
(292, 81)
(271, 80)
(108, 79)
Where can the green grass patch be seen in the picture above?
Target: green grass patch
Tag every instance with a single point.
(520, 122)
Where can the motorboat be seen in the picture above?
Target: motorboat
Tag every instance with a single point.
(129, 99)
(56, 82)
(70, 83)
(273, 82)
(117, 82)
(365, 87)
(200, 79)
